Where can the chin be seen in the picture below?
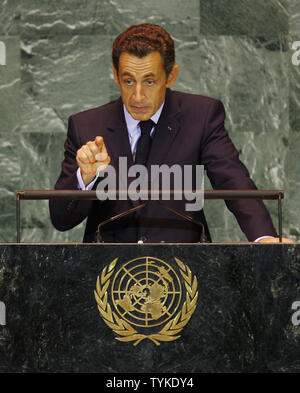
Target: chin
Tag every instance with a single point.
(140, 116)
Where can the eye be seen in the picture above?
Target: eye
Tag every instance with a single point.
(128, 82)
(149, 82)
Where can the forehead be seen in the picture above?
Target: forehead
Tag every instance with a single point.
(149, 64)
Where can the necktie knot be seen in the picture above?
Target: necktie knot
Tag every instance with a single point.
(146, 126)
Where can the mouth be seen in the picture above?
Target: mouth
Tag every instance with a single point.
(139, 108)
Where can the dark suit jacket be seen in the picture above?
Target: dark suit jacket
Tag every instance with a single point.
(190, 131)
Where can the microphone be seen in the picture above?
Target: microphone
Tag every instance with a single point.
(99, 239)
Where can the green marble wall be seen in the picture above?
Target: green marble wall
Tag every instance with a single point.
(58, 63)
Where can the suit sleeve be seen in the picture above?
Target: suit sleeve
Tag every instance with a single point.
(66, 214)
(226, 172)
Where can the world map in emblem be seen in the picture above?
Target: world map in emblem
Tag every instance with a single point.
(146, 292)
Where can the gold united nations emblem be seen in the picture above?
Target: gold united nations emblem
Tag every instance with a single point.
(144, 299)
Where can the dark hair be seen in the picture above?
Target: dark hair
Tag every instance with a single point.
(140, 40)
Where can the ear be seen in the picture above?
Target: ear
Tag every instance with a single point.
(116, 77)
(173, 76)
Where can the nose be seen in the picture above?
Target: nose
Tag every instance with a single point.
(138, 93)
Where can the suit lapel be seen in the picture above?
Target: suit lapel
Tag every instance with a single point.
(116, 139)
(166, 131)
(117, 143)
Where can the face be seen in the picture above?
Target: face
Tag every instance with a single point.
(143, 83)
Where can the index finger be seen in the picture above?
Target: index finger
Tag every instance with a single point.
(99, 141)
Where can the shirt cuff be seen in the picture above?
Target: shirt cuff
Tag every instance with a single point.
(262, 237)
(81, 185)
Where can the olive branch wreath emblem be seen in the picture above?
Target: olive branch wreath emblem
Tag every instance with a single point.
(122, 328)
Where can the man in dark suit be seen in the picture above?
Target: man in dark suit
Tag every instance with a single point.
(186, 129)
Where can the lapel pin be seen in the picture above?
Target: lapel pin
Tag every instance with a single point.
(169, 128)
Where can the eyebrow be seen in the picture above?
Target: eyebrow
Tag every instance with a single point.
(126, 73)
(148, 75)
